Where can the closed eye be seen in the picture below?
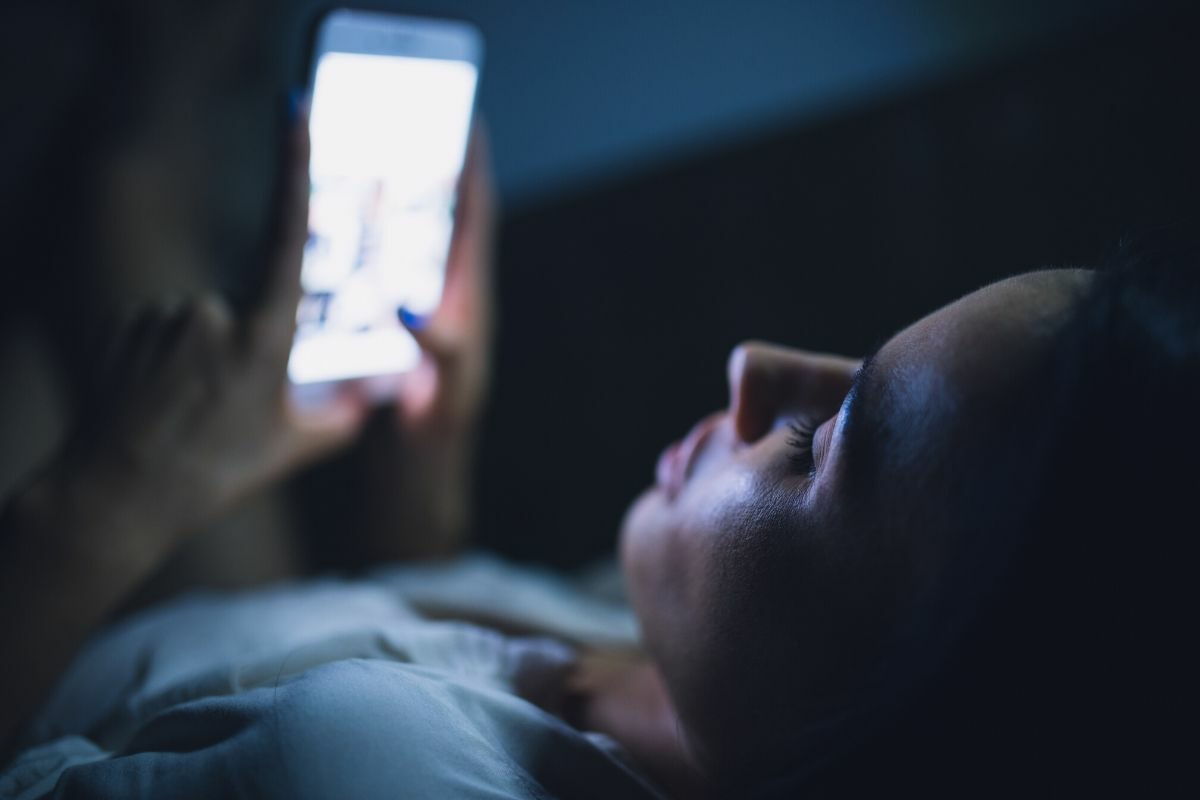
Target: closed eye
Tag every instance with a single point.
(801, 443)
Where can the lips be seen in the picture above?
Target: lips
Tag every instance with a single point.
(675, 464)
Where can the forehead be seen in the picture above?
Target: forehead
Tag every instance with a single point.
(980, 341)
(969, 354)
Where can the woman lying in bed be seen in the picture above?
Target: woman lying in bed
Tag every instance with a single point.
(953, 568)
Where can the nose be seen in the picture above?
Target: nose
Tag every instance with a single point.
(767, 382)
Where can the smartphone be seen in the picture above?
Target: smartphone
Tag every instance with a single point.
(391, 102)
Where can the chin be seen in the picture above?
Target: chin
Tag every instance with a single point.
(646, 513)
(654, 564)
(638, 543)
(632, 521)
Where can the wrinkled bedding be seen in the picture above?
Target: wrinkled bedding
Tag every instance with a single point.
(334, 688)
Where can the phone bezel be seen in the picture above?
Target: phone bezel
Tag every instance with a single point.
(465, 44)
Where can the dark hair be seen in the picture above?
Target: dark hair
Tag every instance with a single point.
(1069, 673)
(1107, 562)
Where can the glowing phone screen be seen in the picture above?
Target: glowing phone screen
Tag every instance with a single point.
(388, 137)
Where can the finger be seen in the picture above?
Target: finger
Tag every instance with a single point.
(175, 320)
(193, 350)
(435, 339)
(120, 340)
(476, 186)
(143, 347)
(213, 318)
(273, 324)
(475, 213)
(438, 379)
(208, 340)
(419, 393)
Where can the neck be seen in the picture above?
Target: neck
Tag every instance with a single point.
(624, 697)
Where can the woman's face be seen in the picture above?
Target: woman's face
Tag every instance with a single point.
(780, 543)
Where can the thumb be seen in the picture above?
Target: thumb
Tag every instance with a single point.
(435, 341)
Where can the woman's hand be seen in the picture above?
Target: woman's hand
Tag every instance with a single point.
(198, 413)
(419, 490)
(443, 397)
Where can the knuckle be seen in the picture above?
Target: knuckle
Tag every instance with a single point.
(212, 314)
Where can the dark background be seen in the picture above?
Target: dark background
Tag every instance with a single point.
(676, 177)
(622, 301)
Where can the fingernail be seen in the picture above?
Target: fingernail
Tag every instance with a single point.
(410, 319)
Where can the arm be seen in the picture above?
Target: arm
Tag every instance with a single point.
(418, 492)
(197, 417)
(69, 553)
(420, 456)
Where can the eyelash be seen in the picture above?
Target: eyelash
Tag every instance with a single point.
(801, 442)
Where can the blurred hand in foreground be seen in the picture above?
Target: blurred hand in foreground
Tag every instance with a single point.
(198, 413)
(443, 397)
(419, 494)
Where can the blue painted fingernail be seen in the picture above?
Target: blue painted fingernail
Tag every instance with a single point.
(410, 319)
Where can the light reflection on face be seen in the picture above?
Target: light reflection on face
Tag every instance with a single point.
(757, 563)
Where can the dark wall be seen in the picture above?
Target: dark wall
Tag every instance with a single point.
(576, 90)
(621, 304)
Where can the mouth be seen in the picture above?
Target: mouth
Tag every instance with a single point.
(676, 463)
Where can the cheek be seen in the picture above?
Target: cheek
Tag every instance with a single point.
(647, 542)
(700, 573)
(673, 553)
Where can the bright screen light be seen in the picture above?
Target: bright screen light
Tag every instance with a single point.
(388, 136)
